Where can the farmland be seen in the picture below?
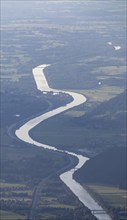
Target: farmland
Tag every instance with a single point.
(112, 198)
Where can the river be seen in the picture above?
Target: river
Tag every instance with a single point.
(67, 177)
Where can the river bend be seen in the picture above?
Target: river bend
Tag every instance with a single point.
(67, 177)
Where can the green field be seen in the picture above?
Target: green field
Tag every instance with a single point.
(55, 199)
(111, 196)
(4, 215)
(58, 202)
(12, 185)
(100, 94)
(13, 196)
(54, 202)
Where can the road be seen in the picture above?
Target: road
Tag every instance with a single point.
(37, 192)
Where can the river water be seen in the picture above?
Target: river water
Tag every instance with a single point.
(67, 177)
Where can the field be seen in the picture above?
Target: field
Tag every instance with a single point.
(22, 168)
(112, 199)
(12, 197)
(57, 202)
(4, 215)
(111, 196)
(100, 94)
(94, 97)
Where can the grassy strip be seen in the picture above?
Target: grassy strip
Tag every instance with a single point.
(111, 196)
(101, 93)
(112, 199)
(12, 185)
(4, 215)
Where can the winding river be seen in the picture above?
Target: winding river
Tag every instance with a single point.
(67, 177)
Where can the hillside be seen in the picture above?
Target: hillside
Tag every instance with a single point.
(110, 114)
(108, 167)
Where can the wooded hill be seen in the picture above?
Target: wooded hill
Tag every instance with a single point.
(109, 167)
(109, 114)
